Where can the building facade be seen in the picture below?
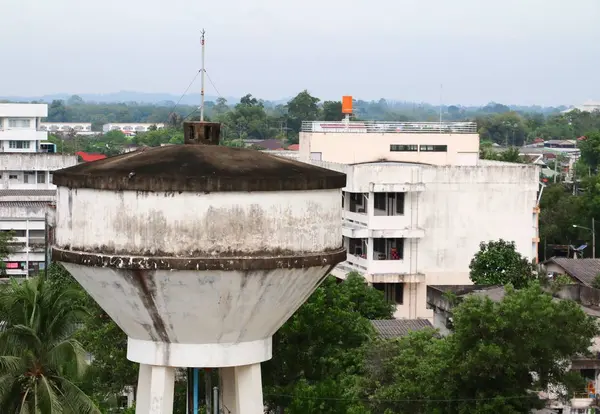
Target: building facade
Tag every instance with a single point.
(131, 128)
(20, 127)
(417, 204)
(27, 194)
(77, 128)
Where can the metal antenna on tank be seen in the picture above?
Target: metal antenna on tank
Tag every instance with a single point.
(202, 79)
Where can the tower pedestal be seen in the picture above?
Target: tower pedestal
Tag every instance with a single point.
(156, 388)
(242, 390)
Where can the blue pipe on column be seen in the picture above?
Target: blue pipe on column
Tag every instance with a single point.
(196, 382)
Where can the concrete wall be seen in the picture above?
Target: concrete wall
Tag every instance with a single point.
(459, 208)
(352, 148)
(23, 210)
(19, 110)
(187, 224)
(36, 162)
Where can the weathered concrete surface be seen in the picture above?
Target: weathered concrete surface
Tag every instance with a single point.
(199, 168)
(191, 307)
(263, 224)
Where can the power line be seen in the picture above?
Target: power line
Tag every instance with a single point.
(213, 84)
(185, 92)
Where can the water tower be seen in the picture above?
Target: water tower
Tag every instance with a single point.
(199, 253)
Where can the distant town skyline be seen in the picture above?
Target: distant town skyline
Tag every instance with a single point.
(535, 52)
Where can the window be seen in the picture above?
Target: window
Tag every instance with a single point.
(19, 123)
(19, 144)
(404, 148)
(379, 201)
(379, 246)
(399, 293)
(393, 292)
(41, 177)
(12, 177)
(29, 176)
(400, 203)
(434, 148)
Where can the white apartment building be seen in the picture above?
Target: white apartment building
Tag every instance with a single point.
(130, 128)
(20, 127)
(79, 128)
(418, 202)
(26, 190)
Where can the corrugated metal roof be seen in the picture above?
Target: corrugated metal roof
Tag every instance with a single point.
(584, 270)
(30, 204)
(16, 193)
(396, 328)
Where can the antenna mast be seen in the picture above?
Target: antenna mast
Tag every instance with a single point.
(202, 81)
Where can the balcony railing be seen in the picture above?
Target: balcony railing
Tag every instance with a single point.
(381, 127)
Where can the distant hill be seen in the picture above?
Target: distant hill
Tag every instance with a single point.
(122, 96)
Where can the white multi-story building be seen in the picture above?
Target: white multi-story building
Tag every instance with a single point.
(26, 190)
(130, 128)
(20, 127)
(419, 201)
(78, 128)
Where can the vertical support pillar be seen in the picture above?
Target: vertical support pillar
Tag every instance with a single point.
(248, 385)
(228, 397)
(241, 390)
(155, 390)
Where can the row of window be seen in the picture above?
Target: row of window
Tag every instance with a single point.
(29, 177)
(19, 144)
(19, 123)
(419, 148)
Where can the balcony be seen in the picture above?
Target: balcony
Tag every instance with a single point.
(22, 135)
(389, 266)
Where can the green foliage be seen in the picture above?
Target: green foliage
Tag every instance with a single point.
(110, 371)
(486, 366)
(507, 155)
(321, 345)
(590, 150)
(498, 263)
(41, 362)
(596, 282)
(5, 249)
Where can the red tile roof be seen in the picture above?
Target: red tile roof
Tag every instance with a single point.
(294, 147)
(90, 157)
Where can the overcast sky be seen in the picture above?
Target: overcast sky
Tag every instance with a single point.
(510, 51)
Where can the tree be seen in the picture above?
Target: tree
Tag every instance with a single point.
(590, 150)
(57, 112)
(5, 249)
(332, 111)
(40, 361)
(303, 107)
(499, 263)
(319, 348)
(110, 371)
(499, 357)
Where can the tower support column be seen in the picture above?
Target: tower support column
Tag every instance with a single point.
(156, 388)
(242, 389)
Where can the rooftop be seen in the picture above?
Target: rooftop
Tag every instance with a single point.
(198, 168)
(584, 270)
(23, 110)
(396, 328)
(390, 127)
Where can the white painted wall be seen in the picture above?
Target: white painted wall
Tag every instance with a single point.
(17, 110)
(298, 221)
(459, 207)
(352, 148)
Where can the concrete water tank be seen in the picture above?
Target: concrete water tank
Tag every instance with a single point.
(199, 253)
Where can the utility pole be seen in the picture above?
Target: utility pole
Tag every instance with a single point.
(202, 81)
(593, 239)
